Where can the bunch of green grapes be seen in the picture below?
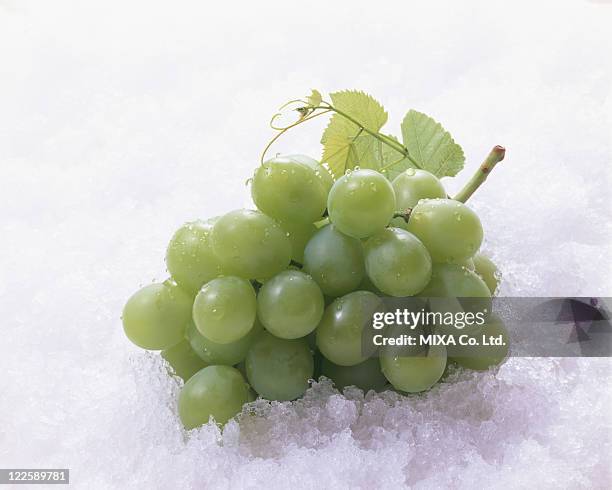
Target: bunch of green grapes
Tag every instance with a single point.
(257, 295)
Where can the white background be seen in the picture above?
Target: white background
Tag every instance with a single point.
(121, 120)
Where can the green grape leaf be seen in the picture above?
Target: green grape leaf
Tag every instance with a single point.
(368, 151)
(314, 99)
(345, 144)
(362, 107)
(396, 161)
(338, 152)
(431, 146)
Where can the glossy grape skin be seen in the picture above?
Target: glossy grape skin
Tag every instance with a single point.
(299, 234)
(365, 375)
(467, 263)
(224, 310)
(455, 281)
(250, 244)
(488, 271)
(225, 354)
(361, 203)
(217, 391)
(335, 261)
(339, 335)
(288, 190)
(190, 259)
(183, 360)
(155, 316)
(397, 263)
(415, 373)
(320, 170)
(290, 305)
(449, 229)
(483, 357)
(279, 369)
(412, 185)
(451, 281)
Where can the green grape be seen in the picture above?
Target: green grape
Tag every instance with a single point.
(215, 391)
(225, 308)
(488, 271)
(279, 369)
(288, 190)
(412, 185)
(397, 262)
(320, 170)
(467, 263)
(290, 305)
(414, 373)
(455, 281)
(365, 375)
(155, 317)
(226, 354)
(361, 203)
(482, 357)
(304, 159)
(449, 229)
(183, 360)
(250, 244)
(454, 288)
(335, 261)
(299, 234)
(344, 331)
(190, 258)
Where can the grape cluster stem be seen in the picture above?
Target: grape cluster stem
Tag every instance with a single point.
(405, 215)
(495, 156)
